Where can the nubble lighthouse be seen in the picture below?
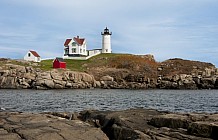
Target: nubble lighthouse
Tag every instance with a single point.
(106, 41)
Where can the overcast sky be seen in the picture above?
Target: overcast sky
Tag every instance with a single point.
(185, 29)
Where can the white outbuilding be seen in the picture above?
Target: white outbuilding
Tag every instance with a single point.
(32, 56)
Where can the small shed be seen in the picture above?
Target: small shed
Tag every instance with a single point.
(59, 63)
(32, 56)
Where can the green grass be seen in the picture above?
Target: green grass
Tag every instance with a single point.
(81, 65)
(46, 65)
(74, 65)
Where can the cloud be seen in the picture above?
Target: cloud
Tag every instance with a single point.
(164, 28)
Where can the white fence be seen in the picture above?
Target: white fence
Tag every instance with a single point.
(81, 58)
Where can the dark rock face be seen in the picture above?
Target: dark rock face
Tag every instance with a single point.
(184, 81)
(203, 129)
(132, 124)
(140, 124)
(170, 120)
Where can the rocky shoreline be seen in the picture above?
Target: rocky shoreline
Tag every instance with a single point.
(26, 77)
(132, 124)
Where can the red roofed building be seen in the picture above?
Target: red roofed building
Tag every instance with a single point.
(67, 42)
(75, 47)
(59, 63)
(32, 56)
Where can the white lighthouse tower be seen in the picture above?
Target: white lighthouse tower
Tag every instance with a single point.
(106, 41)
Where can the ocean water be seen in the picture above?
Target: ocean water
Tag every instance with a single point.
(108, 99)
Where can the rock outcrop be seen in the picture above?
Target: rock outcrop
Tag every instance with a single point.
(16, 76)
(141, 124)
(132, 124)
(29, 126)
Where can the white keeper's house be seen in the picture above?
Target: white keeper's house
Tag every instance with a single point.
(76, 48)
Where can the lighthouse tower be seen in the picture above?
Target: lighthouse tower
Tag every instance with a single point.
(106, 41)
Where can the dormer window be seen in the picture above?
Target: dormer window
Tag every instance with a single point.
(74, 44)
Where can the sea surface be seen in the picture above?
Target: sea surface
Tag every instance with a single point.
(108, 99)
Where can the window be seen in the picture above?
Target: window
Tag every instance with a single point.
(29, 54)
(74, 44)
(80, 50)
(66, 51)
(106, 50)
(73, 50)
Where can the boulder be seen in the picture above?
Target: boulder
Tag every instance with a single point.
(40, 87)
(175, 78)
(39, 82)
(75, 85)
(87, 78)
(9, 82)
(44, 75)
(209, 72)
(4, 73)
(30, 69)
(18, 68)
(23, 84)
(59, 82)
(12, 73)
(123, 133)
(49, 83)
(2, 80)
(165, 84)
(31, 126)
(204, 129)
(31, 76)
(21, 69)
(77, 77)
(66, 76)
(170, 121)
(97, 84)
(207, 83)
(68, 84)
(58, 86)
(56, 75)
(216, 83)
(107, 78)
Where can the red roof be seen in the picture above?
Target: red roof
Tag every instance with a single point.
(35, 53)
(79, 40)
(67, 42)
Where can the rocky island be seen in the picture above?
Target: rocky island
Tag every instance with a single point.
(116, 71)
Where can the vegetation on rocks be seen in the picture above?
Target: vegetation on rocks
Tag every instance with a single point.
(121, 71)
(180, 66)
